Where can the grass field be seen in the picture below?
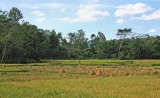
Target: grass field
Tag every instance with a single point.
(108, 62)
(119, 79)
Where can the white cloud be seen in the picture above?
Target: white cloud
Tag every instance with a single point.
(70, 19)
(40, 20)
(34, 8)
(152, 30)
(90, 1)
(152, 16)
(39, 16)
(87, 12)
(120, 21)
(38, 13)
(131, 9)
(55, 6)
(49, 6)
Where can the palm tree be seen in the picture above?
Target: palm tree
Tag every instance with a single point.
(122, 33)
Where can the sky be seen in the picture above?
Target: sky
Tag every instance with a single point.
(106, 16)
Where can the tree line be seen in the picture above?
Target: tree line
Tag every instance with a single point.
(22, 42)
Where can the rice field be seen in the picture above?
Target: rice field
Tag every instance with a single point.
(108, 62)
(132, 79)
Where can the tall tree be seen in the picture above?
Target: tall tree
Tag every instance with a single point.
(98, 44)
(15, 14)
(122, 33)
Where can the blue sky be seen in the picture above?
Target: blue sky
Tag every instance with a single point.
(65, 16)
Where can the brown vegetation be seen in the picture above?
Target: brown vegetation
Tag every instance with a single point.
(99, 72)
(91, 72)
(61, 71)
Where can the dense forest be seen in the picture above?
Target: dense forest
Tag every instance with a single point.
(22, 42)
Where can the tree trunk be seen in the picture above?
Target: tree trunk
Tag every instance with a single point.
(119, 50)
(139, 53)
(4, 52)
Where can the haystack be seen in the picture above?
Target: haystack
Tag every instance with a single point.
(61, 71)
(99, 72)
(91, 72)
(112, 75)
(3, 66)
(127, 74)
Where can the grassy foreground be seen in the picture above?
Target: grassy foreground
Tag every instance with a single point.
(82, 87)
(32, 81)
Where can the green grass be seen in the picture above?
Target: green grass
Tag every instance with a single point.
(44, 81)
(107, 62)
(82, 87)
